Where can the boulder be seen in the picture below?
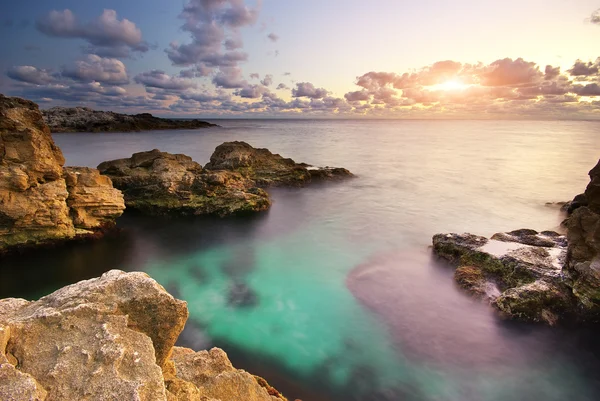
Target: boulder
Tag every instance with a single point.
(592, 192)
(268, 169)
(158, 183)
(519, 272)
(112, 338)
(83, 119)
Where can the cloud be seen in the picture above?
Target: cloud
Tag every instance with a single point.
(30, 75)
(252, 91)
(229, 78)
(357, 96)
(214, 27)
(32, 48)
(273, 37)
(96, 68)
(507, 72)
(588, 90)
(583, 69)
(282, 86)
(595, 17)
(106, 34)
(159, 79)
(306, 89)
(254, 75)
(267, 80)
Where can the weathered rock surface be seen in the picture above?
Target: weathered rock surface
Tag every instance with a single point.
(520, 272)
(111, 338)
(34, 196)
(83, 119)
(162, 183)
(268, 169)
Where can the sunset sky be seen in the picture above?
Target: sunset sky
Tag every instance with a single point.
(310, 58)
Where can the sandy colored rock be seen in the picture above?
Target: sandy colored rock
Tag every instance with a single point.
(93, 201)
(18, 386)
(269, 169)
(158, 183)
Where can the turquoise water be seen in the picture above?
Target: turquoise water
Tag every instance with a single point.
(333, 294)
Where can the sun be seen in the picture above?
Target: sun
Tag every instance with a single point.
(451, 85)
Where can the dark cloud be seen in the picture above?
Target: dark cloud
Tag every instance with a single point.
(254, 75)
(159, 79)
(214, 28)
(106, 35)
(273, 37)
(252, 91)
(357, 96)
(583, 69)
(551, 73)
(587, 90)
(287, 74)
(267, 80)
(595, 17)
(31, 75)
(282, 86)
(306, 89)
(99, 69)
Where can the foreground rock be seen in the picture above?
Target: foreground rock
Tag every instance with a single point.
(519, 272)
(40, 202)
(268, 169)
(158, 183)
(83, 119)
(112, 338)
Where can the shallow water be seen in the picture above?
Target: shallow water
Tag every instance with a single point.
(333, 294)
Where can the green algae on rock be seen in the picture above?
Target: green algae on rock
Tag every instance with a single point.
(112, 338)
(160, 183)
(40, 201)
(268, 169)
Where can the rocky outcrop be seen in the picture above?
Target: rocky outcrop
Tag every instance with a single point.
(268, 169)
(519, 272)
(83, 119)
(39, 202)
(112, 338)
(157, 183)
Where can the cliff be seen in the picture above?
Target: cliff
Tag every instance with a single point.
(112, 338)
(83, 119)
(40, 201)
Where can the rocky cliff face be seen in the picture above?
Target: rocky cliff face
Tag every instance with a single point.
(268, 169)
(83, 119)
(39, 200)
(157, 183)
(112, 338)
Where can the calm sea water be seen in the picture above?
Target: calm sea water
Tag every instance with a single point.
(334, 294)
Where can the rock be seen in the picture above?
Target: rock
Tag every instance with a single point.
(83, 119)
(158, 183)
(520, 272)
(33, 195)
(577, 202)
(592, 192)
(93, 201)
(112, 338)
(268, 169)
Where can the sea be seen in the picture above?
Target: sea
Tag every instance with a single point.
(334, 293)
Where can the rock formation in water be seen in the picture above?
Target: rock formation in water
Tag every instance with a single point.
(112, 338)
(536, 276)
(157, 183)
(83, 119)
(40, 202)
(268, 169)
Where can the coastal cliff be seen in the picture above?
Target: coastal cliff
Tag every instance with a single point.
(541, 277)
(83, 119)
(112, 338)
(40, 201)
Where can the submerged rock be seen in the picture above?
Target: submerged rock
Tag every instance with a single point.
(158, 183)
(35, 202)
(520, 272)
(268, 169)
(111, 338)
(83, 119)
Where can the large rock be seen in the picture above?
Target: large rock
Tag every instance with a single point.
(520, 272)
(111, 338)
(83, 119)
(156, 182)
(268, 169)
(34, 196)
(592, 192)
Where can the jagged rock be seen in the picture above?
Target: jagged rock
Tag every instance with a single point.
(83, 119)
(156, 182)
(93, 201)
(577, 202)
(111, 338)
(268, 169)
(592, 192)
(519, 272)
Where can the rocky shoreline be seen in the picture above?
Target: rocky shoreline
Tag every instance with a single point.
(110, 338)
(541, 277)
(83, 119)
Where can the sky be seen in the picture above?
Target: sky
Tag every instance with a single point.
(535, 59)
